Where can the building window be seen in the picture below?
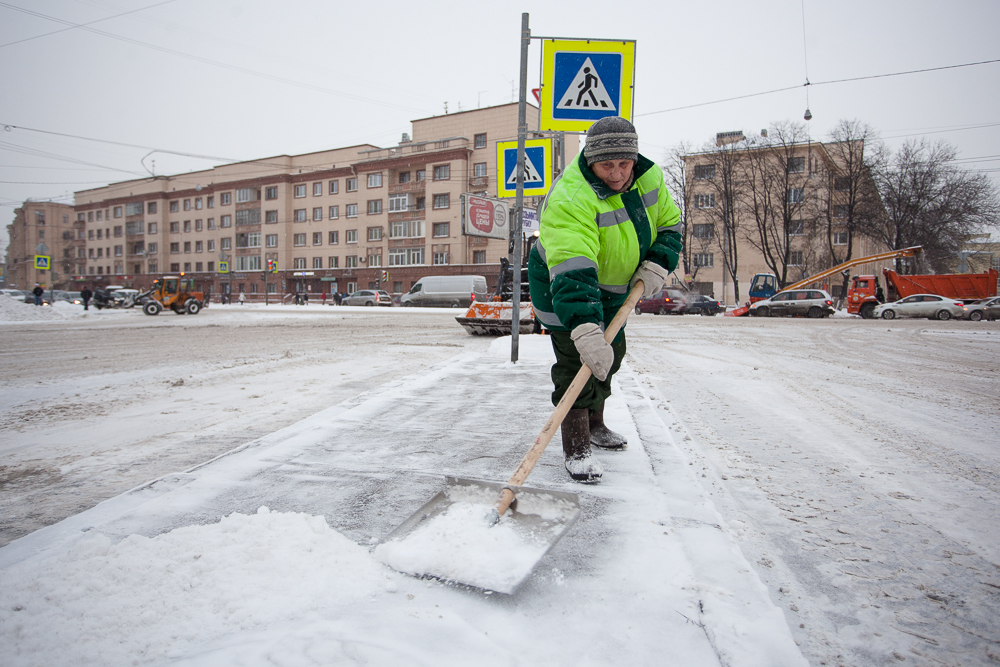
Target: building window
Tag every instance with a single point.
(480, 140)
(118, 231)
(351, 236)
(187, 226)
(211, 246)
(197, 203)
(187, 246)
(133, 208)
(479, 170)
(796, 165)
(840, 211)
(796, 228)
(318, 213)
(334, 212)
(99, 215)
(199, 246)
(271, 192)
(374, 261)
(118, 211)
(317, 189)
(704, 201)
(317, 262)
(226, 198)
(300, 190)
(795, 258)
(442, 172)
(300, 240)
(374, 206)
(374, 233)
(795, 195)
(317, 238)
(210, 202)
(352, 210)
(406, 229)
(175, 248)
(421, 175)
(840, 238)
(270, 217)
(351, 261)
(333, 262)
(404, 177)
(441, 229)
(151, 208)
(226, 221)
(151, 249)
(352, 185)
(704, 260)
(226, 244)
(442, 201)
(375, 180)
(211, 223)
(398, 203)
(197, 225)
(334, 187)
(299, 263)
(842, 183)
(119, 250)
(271, 240)
(479, 257)
(703, 231)
(406, 257)
(175, 228)
(300, 215)
(704, 172)
(440, 258)
(333, 238)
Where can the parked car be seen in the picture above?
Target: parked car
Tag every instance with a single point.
(931, 306)
(445, 291)
(667, 301)
(699, 304)
(795, 303)
(12, 293)
(30, 298)
(368, 297)
(976, 310)
(68, 297)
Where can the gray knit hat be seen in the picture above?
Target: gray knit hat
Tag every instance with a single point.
(611, 138)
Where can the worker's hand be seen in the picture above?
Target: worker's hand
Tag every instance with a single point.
(594, 350)
(653, 277)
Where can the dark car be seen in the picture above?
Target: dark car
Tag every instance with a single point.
(699, 304)
(667, 301)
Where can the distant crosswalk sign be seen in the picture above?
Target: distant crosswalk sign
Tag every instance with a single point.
(223, 267)
(43, 262)
(584, 81)
(537, 167)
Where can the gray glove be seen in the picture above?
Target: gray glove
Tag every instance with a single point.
(653, 277)
(594, 350)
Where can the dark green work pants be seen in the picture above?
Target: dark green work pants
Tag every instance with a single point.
(568, 364)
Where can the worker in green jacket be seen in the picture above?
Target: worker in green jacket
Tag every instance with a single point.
(607, 222)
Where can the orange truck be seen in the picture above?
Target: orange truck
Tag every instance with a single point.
(862, 292)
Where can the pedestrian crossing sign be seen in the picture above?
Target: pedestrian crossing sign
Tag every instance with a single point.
(537, 167)
(223, 267)
(43, 262)
(584, 81)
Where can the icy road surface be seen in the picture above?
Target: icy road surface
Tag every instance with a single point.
(853, 466)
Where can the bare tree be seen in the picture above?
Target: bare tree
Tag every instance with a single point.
(723, 209)
(852, 202)
(774, 177)
(675, 176)
(930, 202)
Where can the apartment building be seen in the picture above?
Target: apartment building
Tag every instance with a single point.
(49, 229)
(333, 220)
(755, 199)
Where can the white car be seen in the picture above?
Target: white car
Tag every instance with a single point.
(931, 306)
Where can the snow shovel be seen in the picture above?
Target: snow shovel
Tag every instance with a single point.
(448, 539)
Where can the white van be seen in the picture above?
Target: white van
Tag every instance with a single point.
(445, 291)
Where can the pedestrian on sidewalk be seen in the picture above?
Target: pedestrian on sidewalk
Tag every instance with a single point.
(86, 295)
(242, 298)
(39, 293)
(324, 298)
(607, 223)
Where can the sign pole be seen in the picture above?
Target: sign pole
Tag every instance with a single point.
(517, 224)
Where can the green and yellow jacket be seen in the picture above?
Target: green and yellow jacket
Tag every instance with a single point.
(592, 240)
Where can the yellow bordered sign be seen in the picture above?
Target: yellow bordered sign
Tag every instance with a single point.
(537, 167)
(223, 267)
(43, 262)
(584, 81)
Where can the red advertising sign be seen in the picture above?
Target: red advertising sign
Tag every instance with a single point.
(485, 217)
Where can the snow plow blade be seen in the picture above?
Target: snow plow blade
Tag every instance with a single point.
(742, 311)
(450, 539)
(492, 318)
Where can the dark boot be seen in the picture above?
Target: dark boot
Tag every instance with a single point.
(603, 437)
(580, 462)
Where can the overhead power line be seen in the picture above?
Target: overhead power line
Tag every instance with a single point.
(818, 83)
(74, 27)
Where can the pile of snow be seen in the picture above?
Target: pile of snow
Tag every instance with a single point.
(162, 598)
(15, 310)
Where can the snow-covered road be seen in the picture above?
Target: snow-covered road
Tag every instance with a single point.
(834, 481)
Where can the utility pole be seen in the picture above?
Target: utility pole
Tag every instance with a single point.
(517, 224)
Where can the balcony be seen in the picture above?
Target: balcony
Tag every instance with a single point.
(479, 182)
(401, 216)
(412, 186)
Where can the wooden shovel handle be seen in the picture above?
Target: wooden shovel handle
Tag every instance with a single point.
(563, 408)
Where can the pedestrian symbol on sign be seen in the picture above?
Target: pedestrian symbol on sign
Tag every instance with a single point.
(587, 91)
(532, 175)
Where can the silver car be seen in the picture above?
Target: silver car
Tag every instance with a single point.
(976, 311)
(368, 297)
(800, 302)
(931, 306)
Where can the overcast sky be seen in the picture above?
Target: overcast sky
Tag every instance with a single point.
(242, 79)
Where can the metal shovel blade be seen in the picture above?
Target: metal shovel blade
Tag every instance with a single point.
(450, 538)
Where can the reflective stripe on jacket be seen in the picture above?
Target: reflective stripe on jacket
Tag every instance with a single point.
(592, 240)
